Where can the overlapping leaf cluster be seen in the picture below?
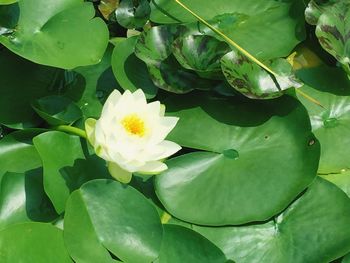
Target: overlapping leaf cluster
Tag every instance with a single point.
(264, 106)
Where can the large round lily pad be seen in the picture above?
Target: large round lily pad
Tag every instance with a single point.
(258, 156)
(315, 228)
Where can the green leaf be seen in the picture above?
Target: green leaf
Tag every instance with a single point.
(200, 52)
(58, 151)
(332, 30)
(64, 35)
(22, 198)
(154, 47)
(133, 14)
(331, 124)
(252, 24)
(312, 229)
(33, 243)
(131, 72)
(253, 81)
(90, 86)
(17, 153)
(16, 94)
(107, 214)
(260, 156)
(181, 244)
(342, 180)
(57, 110)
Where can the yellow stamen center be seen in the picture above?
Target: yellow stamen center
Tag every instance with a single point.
(134, 125)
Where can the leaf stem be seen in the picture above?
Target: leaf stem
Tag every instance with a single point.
(70, 129)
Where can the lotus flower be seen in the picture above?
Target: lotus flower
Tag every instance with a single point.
(130, 135)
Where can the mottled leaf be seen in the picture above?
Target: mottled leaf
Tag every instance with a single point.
(255, 82)
(333, 30)
(200, 52)
(133, 14)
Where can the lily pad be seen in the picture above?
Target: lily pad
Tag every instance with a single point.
(181, 244)
(22, 199)
(330, 123)
(342, 180)
(131, 72)
(64, 35)
(255, 82)
(312, 229)
(105, 214)
(90, 86)
(258, 156)
(58, 151)
(38, 243)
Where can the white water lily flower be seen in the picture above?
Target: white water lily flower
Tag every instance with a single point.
(130, 135)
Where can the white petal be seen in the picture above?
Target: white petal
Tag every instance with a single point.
(90, 124)
(119, 174)
(155, 167)
(168, 148)
(154, 108)
(111, 102)
(165, 126)
(139, 96)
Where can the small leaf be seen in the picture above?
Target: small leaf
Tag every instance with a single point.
(133, 14)
(253, 81)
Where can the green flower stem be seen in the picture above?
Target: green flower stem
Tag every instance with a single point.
(70, 129)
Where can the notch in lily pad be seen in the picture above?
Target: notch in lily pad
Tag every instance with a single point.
(255, 82)
(57, 110)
